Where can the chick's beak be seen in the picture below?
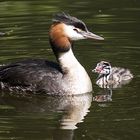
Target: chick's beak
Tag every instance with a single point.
(91, 35)
(97, 70)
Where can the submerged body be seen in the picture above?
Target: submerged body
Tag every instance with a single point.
(113, 77)
(66, 77)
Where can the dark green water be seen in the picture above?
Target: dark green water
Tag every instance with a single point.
(24, 26)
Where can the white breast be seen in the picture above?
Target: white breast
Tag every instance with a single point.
(76, 79)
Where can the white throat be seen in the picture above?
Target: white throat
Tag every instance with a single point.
(76, 77)
(68, 60)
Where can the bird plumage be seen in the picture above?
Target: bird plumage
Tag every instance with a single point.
(64, 77)
(111, 76)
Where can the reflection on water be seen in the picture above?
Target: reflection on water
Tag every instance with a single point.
(71, 110)
(24, 33)
(105, 95)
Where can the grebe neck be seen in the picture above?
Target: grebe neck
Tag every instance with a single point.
(74, 73)
(68, 61)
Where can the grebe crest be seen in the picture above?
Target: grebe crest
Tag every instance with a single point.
(65, 30)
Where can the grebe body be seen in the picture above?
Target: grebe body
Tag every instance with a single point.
(66, 77)
(111, 76)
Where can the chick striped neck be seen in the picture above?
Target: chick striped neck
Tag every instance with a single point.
(104, 76)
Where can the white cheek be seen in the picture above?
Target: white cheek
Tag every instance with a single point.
(104, 71)
(73, 35)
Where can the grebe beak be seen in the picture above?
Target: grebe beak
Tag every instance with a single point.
(90, 35)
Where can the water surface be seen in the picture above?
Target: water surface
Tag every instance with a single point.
(24, 29)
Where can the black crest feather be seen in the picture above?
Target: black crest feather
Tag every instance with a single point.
(106, 63)
(69, 20)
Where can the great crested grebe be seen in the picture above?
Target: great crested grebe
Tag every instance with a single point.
(67, 77)
(114, 76)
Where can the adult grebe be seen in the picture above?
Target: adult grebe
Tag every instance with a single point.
(114, 76)
(67, 77)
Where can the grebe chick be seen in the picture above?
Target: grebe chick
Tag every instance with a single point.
(111, 76)
(66, 77)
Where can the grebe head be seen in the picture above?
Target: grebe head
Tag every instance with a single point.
(65, 29)
(102, 67)
(74, 28)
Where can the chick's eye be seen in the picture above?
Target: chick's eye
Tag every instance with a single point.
(104, 66)
(75, 29)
